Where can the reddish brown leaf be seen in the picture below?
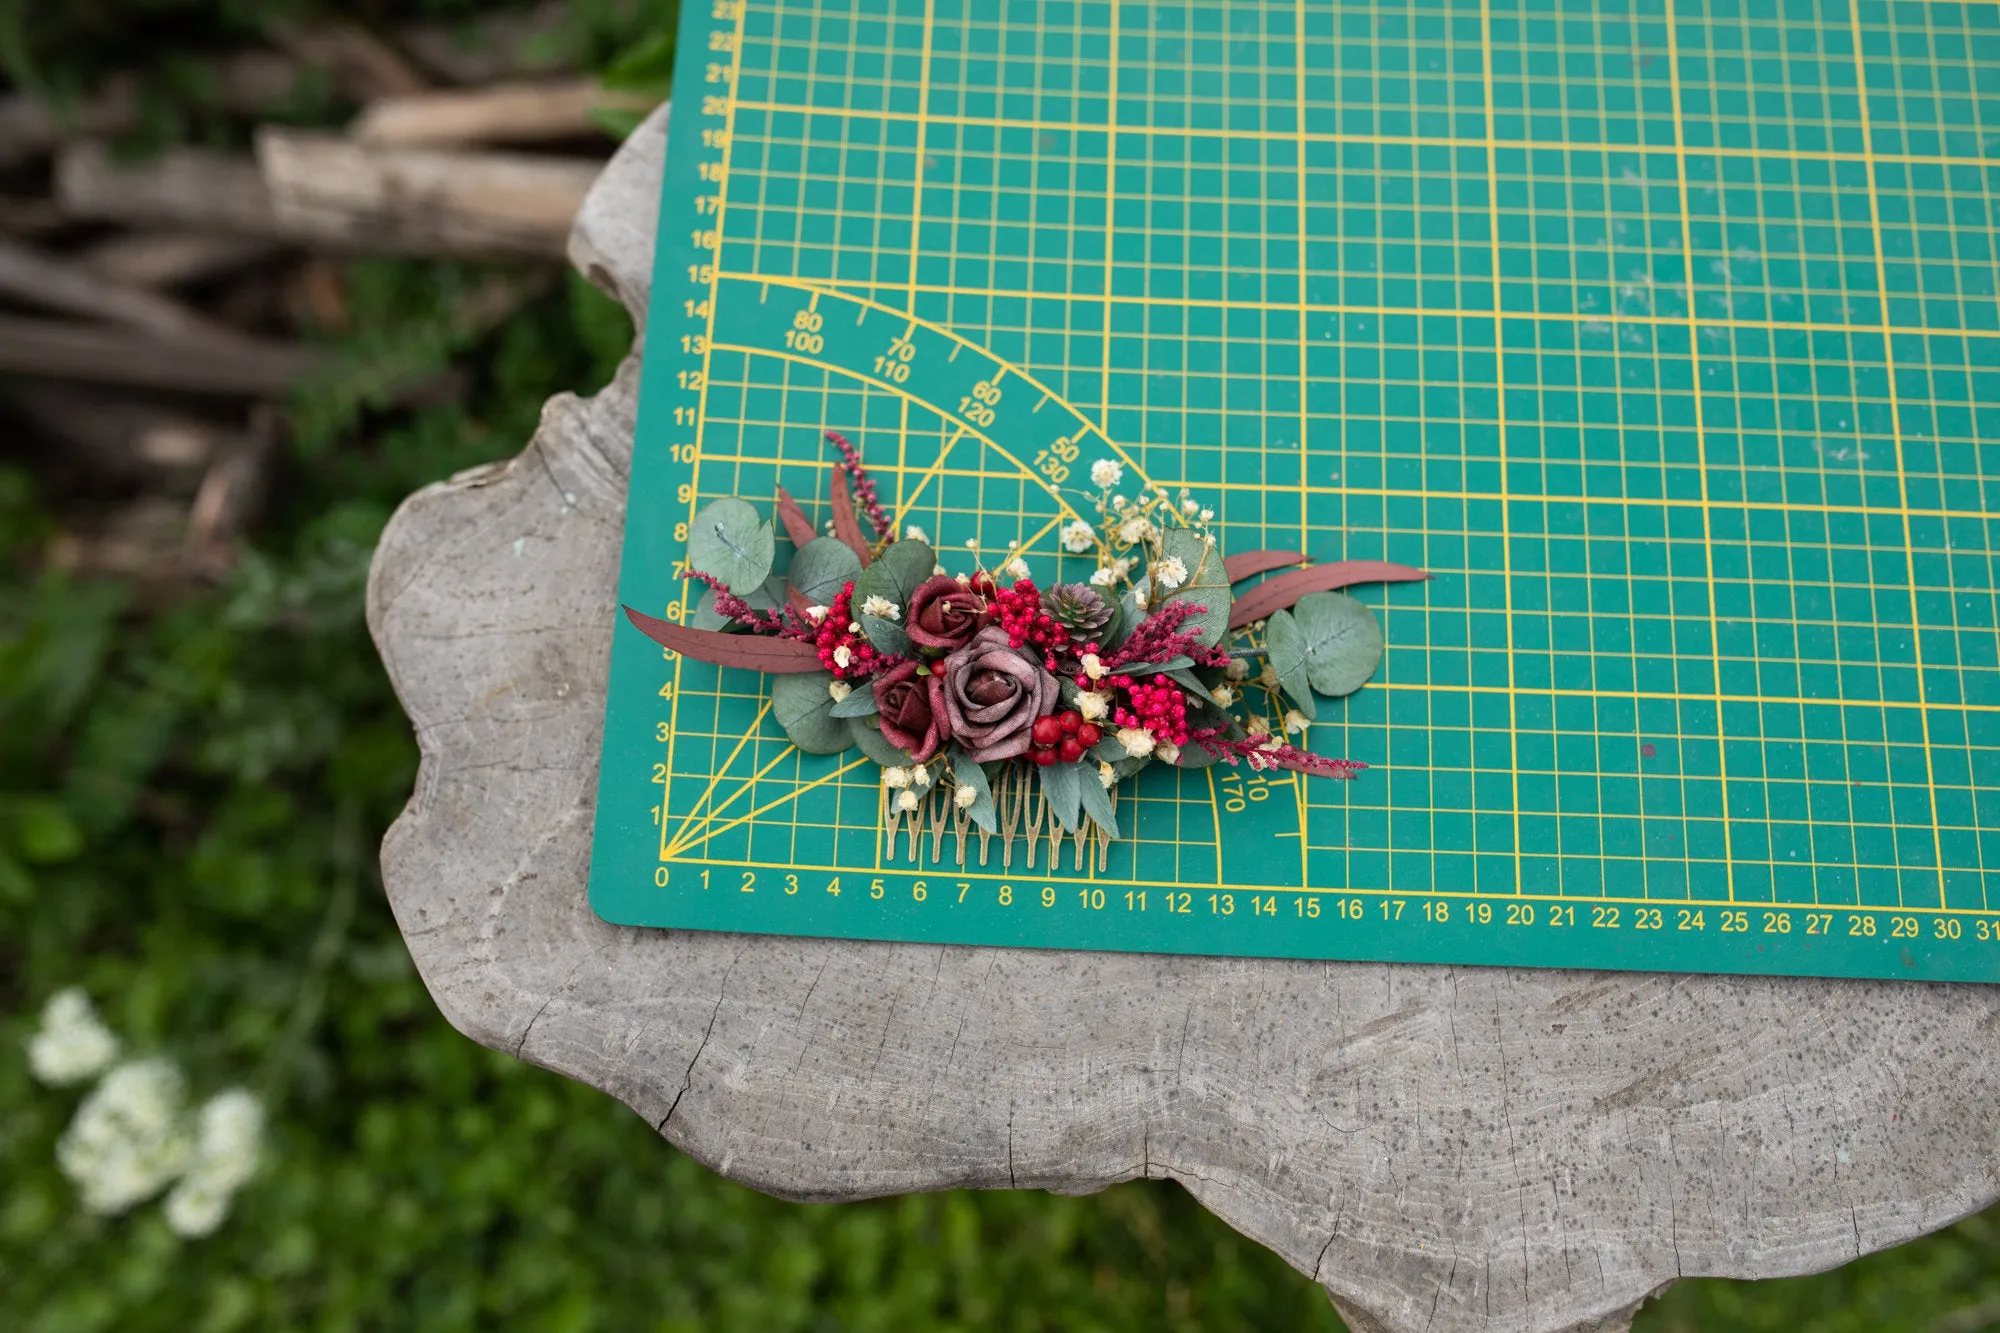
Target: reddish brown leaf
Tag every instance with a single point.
(780, 657)
(796, 598)
(797, 526)
(1241, 567)
(844, 525)
(1281, 592)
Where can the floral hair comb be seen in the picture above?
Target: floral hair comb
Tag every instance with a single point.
(997, 706)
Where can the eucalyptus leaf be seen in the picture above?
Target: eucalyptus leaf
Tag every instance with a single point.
(1190, 682)
(1061, 785)
(1285, 647)
(885, 634)
(805, 710)
(969, 774)
(1194, 756)
(896, 573)
(860, 702)
(1129, 616)
(1343, 644)
(729, 541)
(1108, 750)
(1155, 668)
(1095, 799)
(1207, 585)
(868, 735)
(767, 598)
(821, 567)
(1125, 768)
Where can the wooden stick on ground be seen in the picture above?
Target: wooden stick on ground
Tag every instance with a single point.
(197, 189)
(65, 349)
(42, 279)
(162, 259)
(502, 113)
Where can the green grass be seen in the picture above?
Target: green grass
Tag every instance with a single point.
(191, 797)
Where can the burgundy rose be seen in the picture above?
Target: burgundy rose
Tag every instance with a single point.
(943, 614)
(912, 710)
(993, 692)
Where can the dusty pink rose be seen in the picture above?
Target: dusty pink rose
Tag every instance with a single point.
(912, 710)
(993, 692)
(943, 614)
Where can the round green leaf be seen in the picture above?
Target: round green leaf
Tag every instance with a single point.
(805, 710)
(1207, 585)
(896, 573)
(728, 540)
(1285, 644)
(1343, 644)
(821, 567)
(767, 598)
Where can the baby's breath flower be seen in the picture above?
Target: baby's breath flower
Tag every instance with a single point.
(1078, 536)
(72, 1044)
(1103, 576)
(1238, 669)
(1138, 742)
(815, 614)
(972, 543)
(1107, 776)
(128, 1138)
(913, 533)
(1017, 568)
(1135, 529)
(1259, 726)
(1119, 502)
(838, 690)
(1207, 515)
(1106, 473)
(843, 655)
(895, 778)
(1140, 599)
(907, 801)
(1268, 677)
(227, 1145)
(1171, 573)
(1295, 720)
(1224, 695)
(920, 777)
(964, 798)
(1091, 704)
(1190, 507)
(1093, 666)
(1167, 752)
(878, 605)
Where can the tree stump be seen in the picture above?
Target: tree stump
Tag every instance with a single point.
(1443, 1148)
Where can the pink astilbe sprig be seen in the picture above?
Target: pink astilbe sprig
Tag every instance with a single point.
(1259, 752)
(782, 624)
(1159, 638)
(864, 487)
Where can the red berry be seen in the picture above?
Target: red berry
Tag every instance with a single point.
(1070, 721)
(1089, 734)
(1044, 757)
(1047, 731)
(1072, 749)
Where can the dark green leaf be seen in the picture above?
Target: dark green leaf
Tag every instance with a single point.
(1207, 585)
(896, 573)
(886, 635)
(969, 774)
(729, 541)
(805, 710)
(767, 598)
(1096, 800)
(1061, 785)
(867, 733)
(1192, 683)
(860, 702)
(1343, 644)
(1154, 668)
(1285, 644)
(821, 567)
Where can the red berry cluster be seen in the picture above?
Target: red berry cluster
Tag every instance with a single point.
(833, 633)
(1158, 705)
(1019, 612)
(1062, 736)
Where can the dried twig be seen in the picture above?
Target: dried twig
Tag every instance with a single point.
(65, 349)
(193, 188)
(42, 279)
(502, 113)
(161, 259)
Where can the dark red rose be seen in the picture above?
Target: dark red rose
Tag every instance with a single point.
(912, 708)
(944, 614)
(993, 692)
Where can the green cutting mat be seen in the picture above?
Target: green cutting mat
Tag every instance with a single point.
(1667, 338)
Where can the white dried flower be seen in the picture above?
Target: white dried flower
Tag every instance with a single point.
(1238, 668)
(1078, 536)
(843, 655)
(128, 1138)
(853, 627)
(72, 1044)
(907, 801)
(1190, 507)
(1140, 598)
(972, 543)
(920, 777)
(1135, 530)
(1107, 776)
(1106, 473)
(878, 605)
(1017, 568)
(1103, 576)
(1119, 502)
(1171, 573)
(1259, 726)
(937, 569)
(913, 533)
(1224, 695)
(895, 778)
(1093, 666)
(1092, 705)
(228, 1142)
(1268, 677)
(1272, 745)
(964, 798)
(838, 690)
(815, 614)
(1295, 720)
(1260, 761)
(1167, 752)
(1207, 515)
(1138, 742)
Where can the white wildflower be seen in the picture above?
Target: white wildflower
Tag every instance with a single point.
(937, 569)
(128, 1138)
(1238, 668)
(815, 614)
(963, 579)
(1078, 536)
(1119, 502)
(1224, 695)
(1268, 677)
(1207, 515)
(1259, 726)
(1092, 704)
(853, 627)
(1017, 568)
(1138, 741)
(842, 656)
(838, 690)
(1171, 573)
(72, 1044)
(1135, 529)
(913, 533)
(895, 778)
(1295, 720)
(964, 798)
(878, 605)
(1106, 473)
(907, 801)
(1093, 666)
(1140, 598)
(1190, 507)
(227, 1146)
(1167, 752)
(1103, 576)
(972, 543)
(1107, 776)
(1260, 761)
(920, 777)
(1272, 744)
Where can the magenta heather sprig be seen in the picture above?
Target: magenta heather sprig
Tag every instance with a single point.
(1252, 750)
(1160, 638)
(785, 624)
(864, 486)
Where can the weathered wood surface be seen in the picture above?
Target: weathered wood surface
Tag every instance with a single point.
(1444, 1148)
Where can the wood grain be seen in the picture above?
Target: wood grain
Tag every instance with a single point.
(1451, 1149)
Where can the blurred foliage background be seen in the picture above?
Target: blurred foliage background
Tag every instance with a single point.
(194, 777)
